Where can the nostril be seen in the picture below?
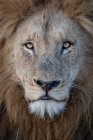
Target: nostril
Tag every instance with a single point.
(39, 82)
(54, 84)
(47, 85)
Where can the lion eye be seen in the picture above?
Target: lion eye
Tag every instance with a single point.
(29, 45)
(66, 45)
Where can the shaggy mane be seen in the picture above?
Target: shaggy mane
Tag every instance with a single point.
(76, 123)
(14, 11)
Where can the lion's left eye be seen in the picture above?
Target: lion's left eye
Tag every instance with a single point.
(66, 45)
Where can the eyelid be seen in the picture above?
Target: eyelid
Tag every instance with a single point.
(70, 42)
(28, 42)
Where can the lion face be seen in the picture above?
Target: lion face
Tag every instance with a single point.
(46, 59)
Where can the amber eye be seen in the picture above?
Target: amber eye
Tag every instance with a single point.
(29, 45)
(66, 45)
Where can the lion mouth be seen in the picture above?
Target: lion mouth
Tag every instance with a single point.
(48, 98)
(45, 98)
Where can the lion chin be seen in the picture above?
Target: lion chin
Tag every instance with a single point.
(52, 108)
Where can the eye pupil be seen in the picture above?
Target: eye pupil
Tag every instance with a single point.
(66, 45)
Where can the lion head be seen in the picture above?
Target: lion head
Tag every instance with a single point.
(45, 52)
(46, 58)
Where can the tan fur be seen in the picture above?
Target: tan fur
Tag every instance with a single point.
(15, 121)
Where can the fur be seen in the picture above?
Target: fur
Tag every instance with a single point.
(76, 123)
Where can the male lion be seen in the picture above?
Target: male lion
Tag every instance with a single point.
(46, 69)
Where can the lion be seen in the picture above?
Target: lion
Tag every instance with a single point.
(46, 69)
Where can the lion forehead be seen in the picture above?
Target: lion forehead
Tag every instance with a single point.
(36, 27)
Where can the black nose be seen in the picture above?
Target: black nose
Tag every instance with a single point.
(46, 86)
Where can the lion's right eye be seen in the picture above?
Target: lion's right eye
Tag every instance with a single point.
(29, 45)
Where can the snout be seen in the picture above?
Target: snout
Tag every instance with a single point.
(46, 91)
(47, 86)
(51, 90)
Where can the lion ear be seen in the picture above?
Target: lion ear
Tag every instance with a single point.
(81, 11)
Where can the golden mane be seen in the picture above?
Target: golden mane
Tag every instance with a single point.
(13, 12)
(15, 122)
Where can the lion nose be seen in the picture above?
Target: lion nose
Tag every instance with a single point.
(46, 86)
